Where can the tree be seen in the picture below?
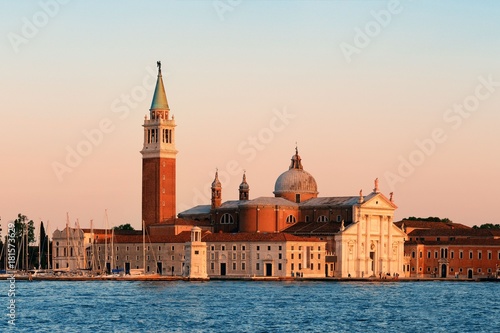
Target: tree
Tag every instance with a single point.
(487, 226)
(428, 219)
(44, 245)
(124, 227)
(24, 235)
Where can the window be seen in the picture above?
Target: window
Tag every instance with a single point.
(223, 248)
(413, 254)
(127, 248)
(258, 255)
(319, 266)
(300, 248)
(159, 257)
(234, 255)
(269, 248)
(300, 256)
(339, 218)
(428, 269)
(312, 255)
(173, 248)
(137, 249)
(291, 256)
(212, 248)
(452, 254)
(226, 219)
(257, 266)
(312, 266)
(243, 256)
(243, 248)
(460, 254)
(173, 258)
(195, 252)
(212, 256)
(322, 218)
(279, 267)
(479, 255)
(234, 247)
(420, 254)
(292, 267)
(293, 248)
(300, 267)
(307, 218)
(243, 266)
(290, 219)
(280, 256)
(428, 254)
(489, 255)
(319, 255)
(234, 266)
(297, 198)
(159, 248)
(212, 266)
(436, 254)
(258, 248)
(470, 255)
(279, 248)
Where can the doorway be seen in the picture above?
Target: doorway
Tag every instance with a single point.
(443, 270)
(159, 267)
(223, 269)
(469, 274)
(127, 268)
(269, 269)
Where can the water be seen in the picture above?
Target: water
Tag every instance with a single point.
(240, 306)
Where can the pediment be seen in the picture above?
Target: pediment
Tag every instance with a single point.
(378, 201)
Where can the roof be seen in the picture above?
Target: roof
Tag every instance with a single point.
(197, 210)
(459, 242)
(315, 228)
(182, 237)
(159, 97)
(270, 201)
(466, 233)
(420, 224)
(255, 237)
(331, 201)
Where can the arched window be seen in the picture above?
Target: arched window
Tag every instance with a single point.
(322, 218)
(226, 219)
(290, 219)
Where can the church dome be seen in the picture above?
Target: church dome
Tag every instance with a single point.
(244, 185)
(295, 181)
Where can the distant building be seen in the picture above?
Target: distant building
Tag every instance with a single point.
(438, 249)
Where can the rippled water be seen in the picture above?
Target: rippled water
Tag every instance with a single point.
(240, 306)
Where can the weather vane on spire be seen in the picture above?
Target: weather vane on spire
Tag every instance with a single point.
(158, 64)
(296, 148)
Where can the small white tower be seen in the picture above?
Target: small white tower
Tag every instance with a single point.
(196, 256)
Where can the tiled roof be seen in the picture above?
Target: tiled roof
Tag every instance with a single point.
(419, 224)
(200, 209)
(314, 228)
(271, 201)
(183, 237)
(460, 242)
(255, 237)
(470, 233)
(330, 201)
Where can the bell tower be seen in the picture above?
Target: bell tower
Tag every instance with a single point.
(158, 159)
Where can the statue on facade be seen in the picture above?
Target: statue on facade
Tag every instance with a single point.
(376, 190)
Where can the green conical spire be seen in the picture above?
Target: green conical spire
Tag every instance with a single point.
(159, 97)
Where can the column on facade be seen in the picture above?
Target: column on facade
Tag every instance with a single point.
(390, 258)
(367, 243)
(359, 261)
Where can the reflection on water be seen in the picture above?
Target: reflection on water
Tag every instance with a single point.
(243, 306)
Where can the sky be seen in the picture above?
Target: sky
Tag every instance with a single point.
(404, 91)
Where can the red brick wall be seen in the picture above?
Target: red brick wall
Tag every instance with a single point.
(158, 189)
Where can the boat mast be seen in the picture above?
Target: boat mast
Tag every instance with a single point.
(105, 268)
(112, 249)
(40, 246)
(67, 239)
(48, 246)
(143, 247)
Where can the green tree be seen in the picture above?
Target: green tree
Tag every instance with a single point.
(24, 235)
(124, 227)
(487, 226)
(428, 219)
